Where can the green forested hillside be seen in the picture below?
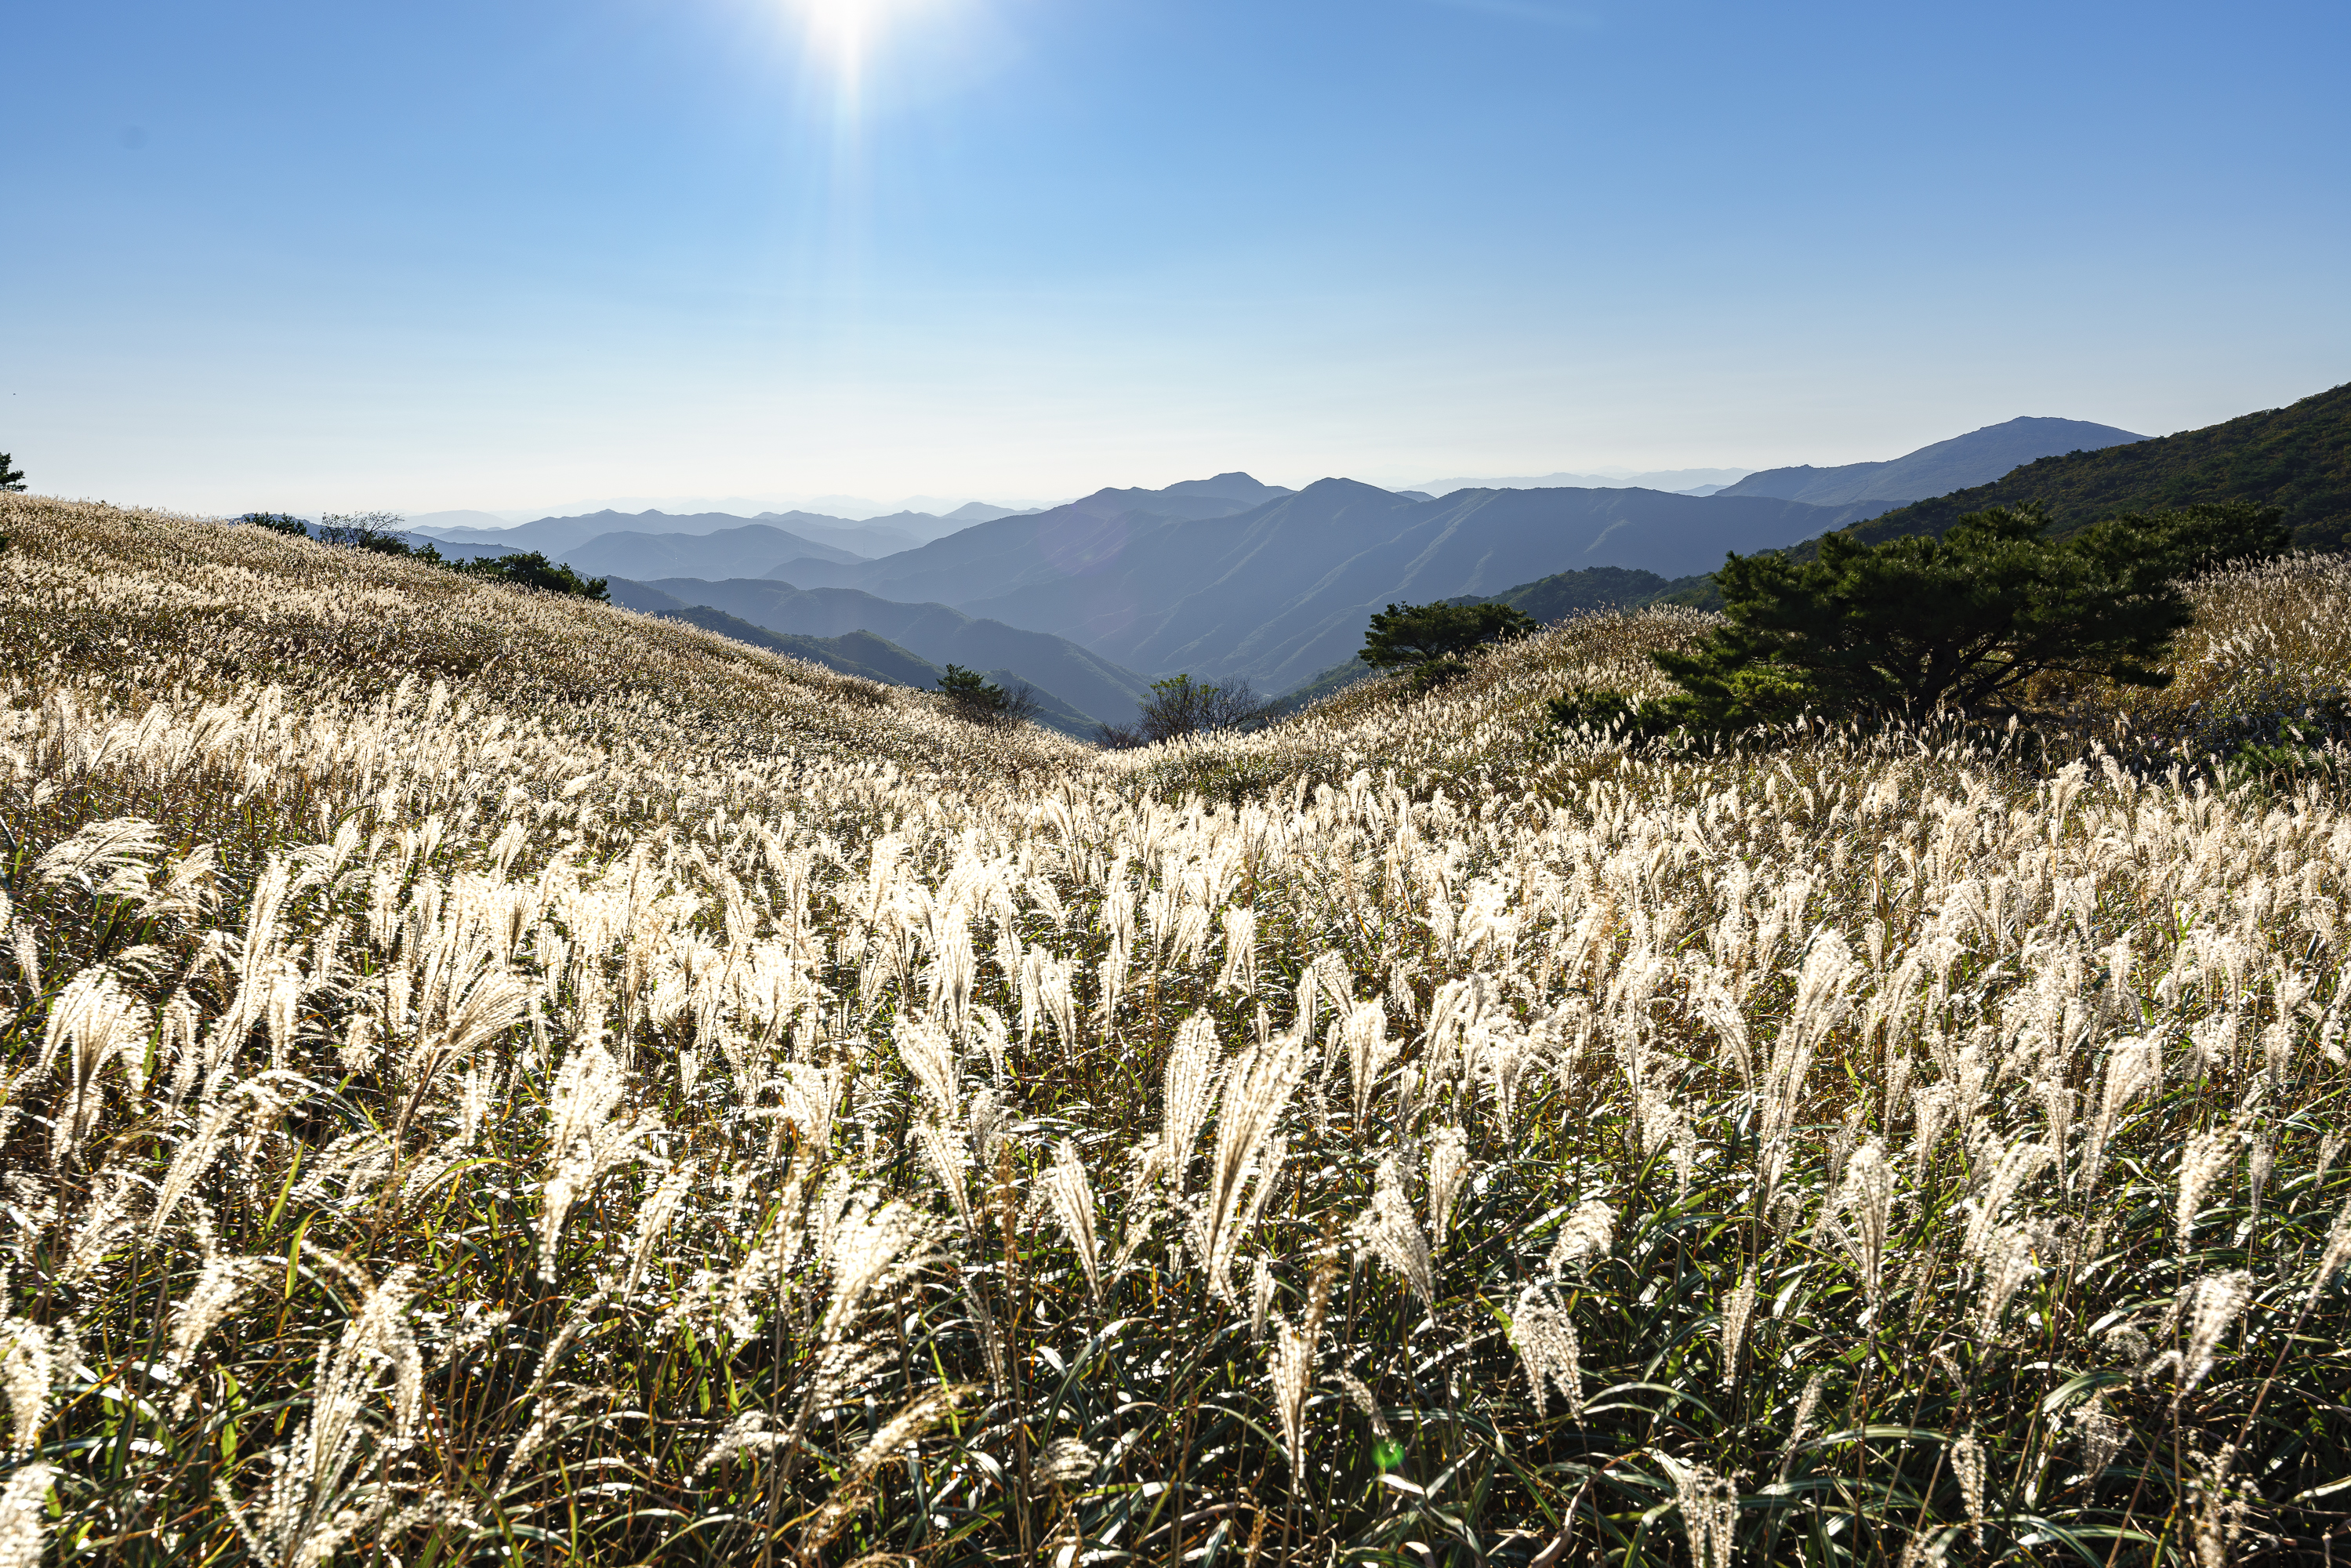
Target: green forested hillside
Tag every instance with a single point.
(1562, 593)
(2298, 458)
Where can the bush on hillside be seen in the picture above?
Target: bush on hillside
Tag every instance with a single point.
(1432, 638)
(973, 697)
(375, 532)
(1180, 705)
(1920, 624)
(11, 477)
(279, 523)
(533, 569)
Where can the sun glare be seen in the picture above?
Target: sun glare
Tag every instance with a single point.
(842, 31)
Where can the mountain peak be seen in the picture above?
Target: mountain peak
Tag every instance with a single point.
(1978, 457)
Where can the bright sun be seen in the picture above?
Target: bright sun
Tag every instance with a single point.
(844, 29)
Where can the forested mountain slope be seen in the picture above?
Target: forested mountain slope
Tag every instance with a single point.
(2298, 458)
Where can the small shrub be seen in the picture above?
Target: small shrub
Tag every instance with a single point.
(1965, 621)
(973, 699)
(279, 523)
(1180, 705)
(534, 571)
(1430, 639)
(375, 532)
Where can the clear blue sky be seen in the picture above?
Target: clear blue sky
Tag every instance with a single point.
(500, 253)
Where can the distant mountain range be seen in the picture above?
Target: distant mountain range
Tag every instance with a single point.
(1676, 481)
(1229, 577)
(857, 652)
(864, 540)
(1079, 682)
(1975, 458)
(1283, 592)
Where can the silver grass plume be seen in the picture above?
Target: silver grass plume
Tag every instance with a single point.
(1194, 1067)
(2200, 1164)
(932, 1060)
(586, 1142)
(1239, 971)
(1738, 1310)
(1391, 1235)
(105, 857)
(869, 1248)
(24, 1519)
(850, 1495)
(1449, 1172)
(105, 1221)
(1808, 1405)
(1585, 1234)
(1073, 1204)
(805, 1097)
(1360, 1394)
(2337, 1254)
(1261, 1290)
(1364, 1029)
(1545, 1337)
(2132, 1067)
(1247, 1157)
(2213, 1304)
(747, 1434)
(195, 1155)
(1967, 1465)
(653, 1220)
(1292, 1371)
(2223, 1505)
(1709, 1504)
(2259, 1161)
(2101, 1434)
(2008, 1264)
(1864, 1203)
(28, 958)
(2018, 1164)
(95, 1021)
(1067, 1462)
(219, 1284)
(949, 1161)
(28, 1370)
(324, 1485)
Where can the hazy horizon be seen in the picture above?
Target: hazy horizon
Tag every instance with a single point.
(446, 257)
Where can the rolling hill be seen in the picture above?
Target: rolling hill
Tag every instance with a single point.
(1975, 458)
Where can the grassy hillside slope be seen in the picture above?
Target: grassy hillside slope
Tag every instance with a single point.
(487, 1077)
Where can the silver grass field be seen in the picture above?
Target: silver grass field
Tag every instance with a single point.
(485, 1078)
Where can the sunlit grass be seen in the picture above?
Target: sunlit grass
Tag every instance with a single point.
(487, 1074)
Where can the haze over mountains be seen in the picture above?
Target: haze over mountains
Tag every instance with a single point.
(1095, 687)
(1679, 481)
(1223, 577)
